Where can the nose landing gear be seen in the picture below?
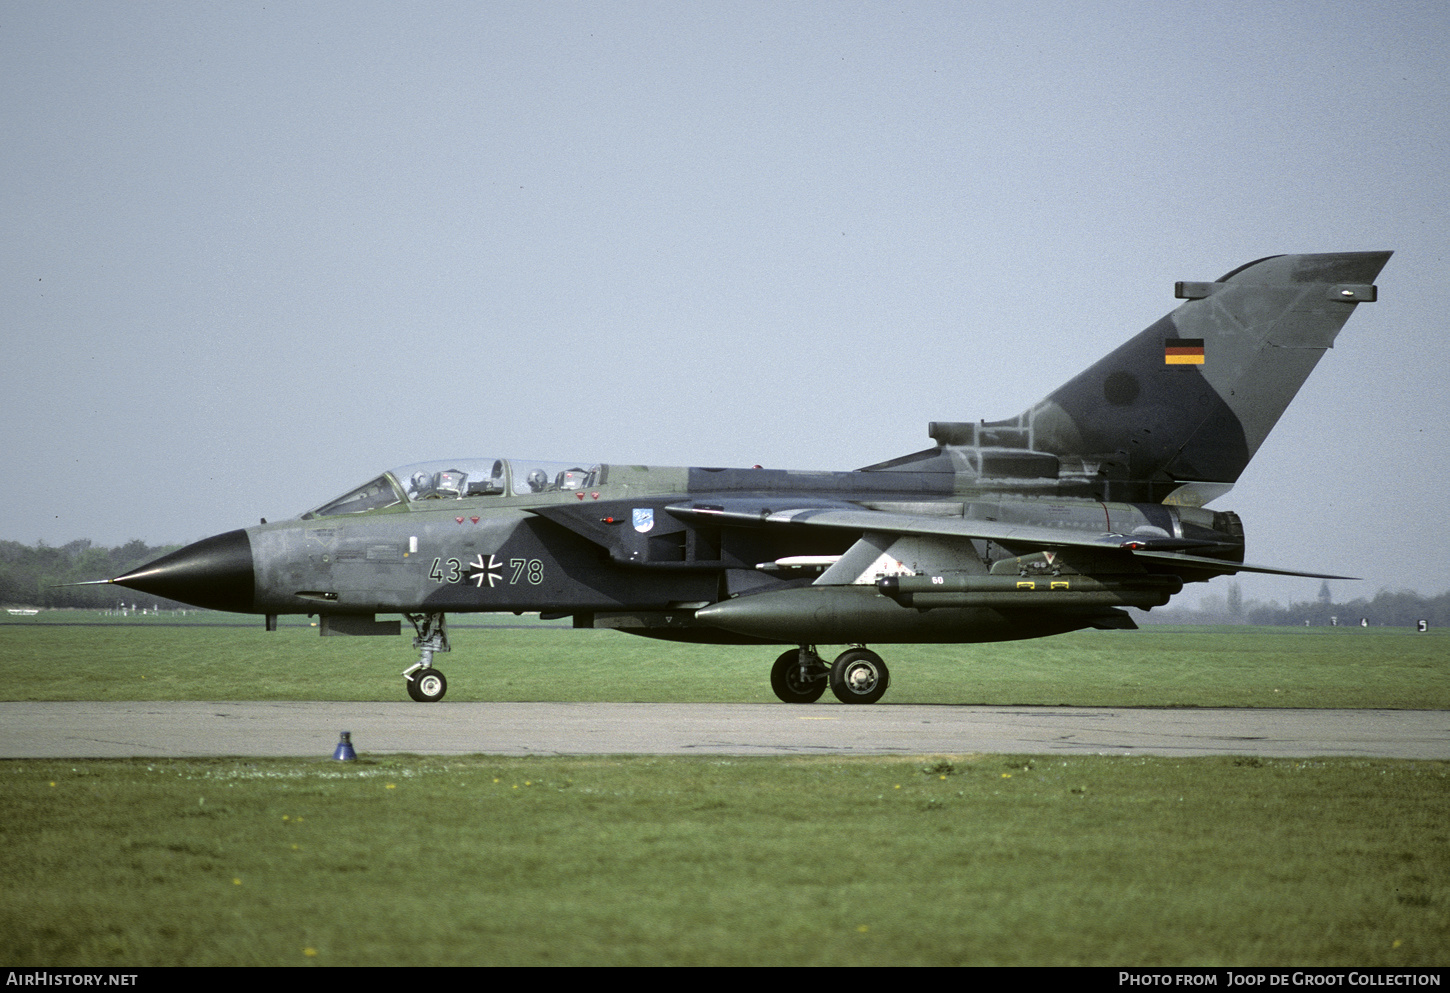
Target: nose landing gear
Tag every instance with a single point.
(425, 683)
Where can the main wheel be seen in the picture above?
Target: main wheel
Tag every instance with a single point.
(427, 686)
(785, 679)
(859, 676)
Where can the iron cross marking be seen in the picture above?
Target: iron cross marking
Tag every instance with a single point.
(478, 571)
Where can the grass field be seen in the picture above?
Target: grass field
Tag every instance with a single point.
(977, 859)
(1154, 667)
(1003, 860)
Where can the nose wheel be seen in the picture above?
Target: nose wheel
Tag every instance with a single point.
(427, 685)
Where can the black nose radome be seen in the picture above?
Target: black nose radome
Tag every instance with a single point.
(215, 573)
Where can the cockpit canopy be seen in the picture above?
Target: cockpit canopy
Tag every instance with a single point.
(457, 479)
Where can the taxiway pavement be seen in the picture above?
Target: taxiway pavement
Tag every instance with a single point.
(254, 728)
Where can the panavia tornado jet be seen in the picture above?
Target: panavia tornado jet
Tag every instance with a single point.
(1090, 501)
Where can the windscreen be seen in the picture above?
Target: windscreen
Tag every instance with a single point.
(377, 494)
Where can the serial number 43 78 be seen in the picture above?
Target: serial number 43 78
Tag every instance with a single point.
(492, 571)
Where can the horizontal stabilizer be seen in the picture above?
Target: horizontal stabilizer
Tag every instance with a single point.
(1227, 568)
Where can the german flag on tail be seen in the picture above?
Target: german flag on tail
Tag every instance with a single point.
(1183, 351)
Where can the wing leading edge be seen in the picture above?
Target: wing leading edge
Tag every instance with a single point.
(1021, 539)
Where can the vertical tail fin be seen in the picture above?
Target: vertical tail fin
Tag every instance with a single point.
(1192, 397)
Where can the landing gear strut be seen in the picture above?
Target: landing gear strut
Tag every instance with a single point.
(857, 676)
(425, 683)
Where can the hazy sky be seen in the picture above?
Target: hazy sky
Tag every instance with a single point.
(252, 254)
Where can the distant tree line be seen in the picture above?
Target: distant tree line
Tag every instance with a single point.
(1387, 608)
(29, 575)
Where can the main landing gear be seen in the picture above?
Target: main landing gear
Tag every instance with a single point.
(857, 676)
(425, 683)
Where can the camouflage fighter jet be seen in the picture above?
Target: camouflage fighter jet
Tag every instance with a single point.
(1092, 500)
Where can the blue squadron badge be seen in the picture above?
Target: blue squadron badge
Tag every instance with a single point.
(644, 518)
